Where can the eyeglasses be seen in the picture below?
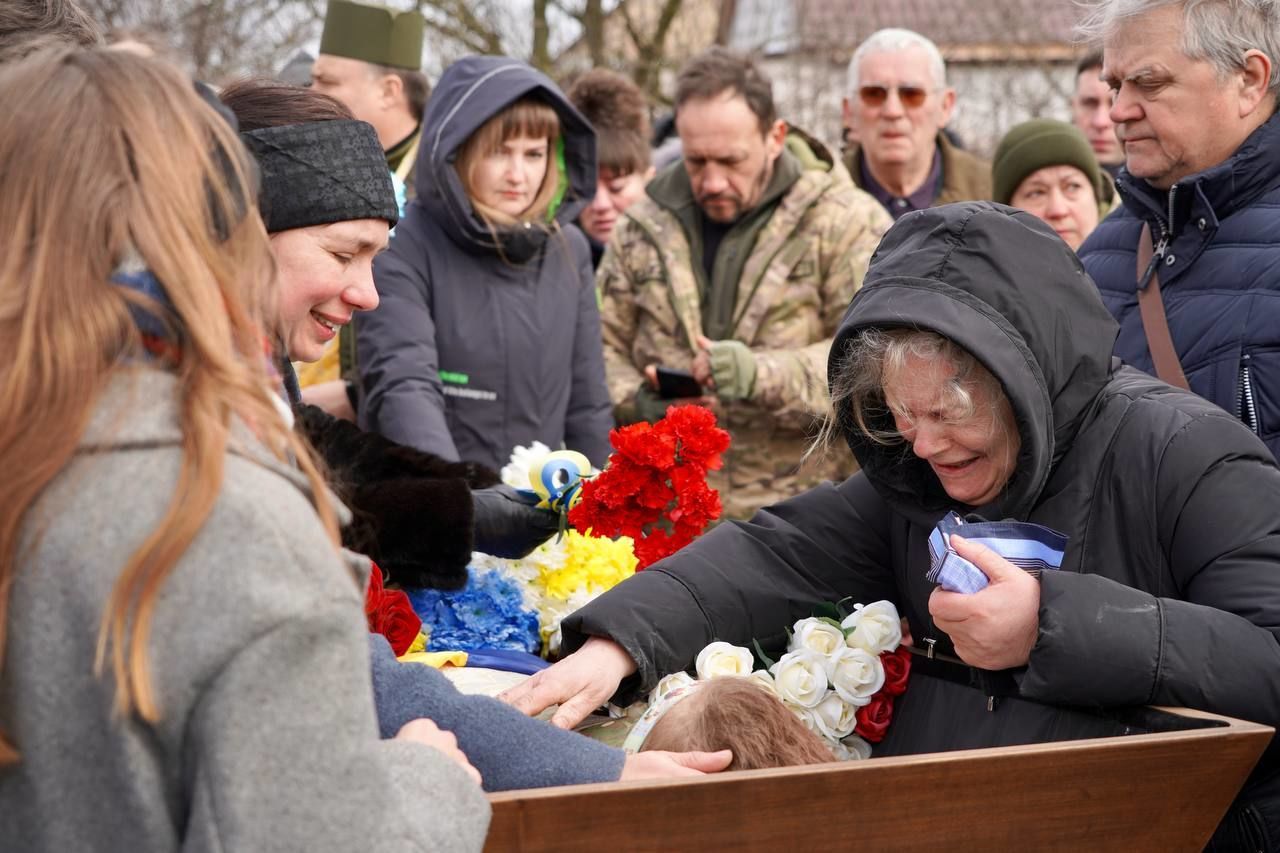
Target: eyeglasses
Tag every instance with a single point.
(910, 96)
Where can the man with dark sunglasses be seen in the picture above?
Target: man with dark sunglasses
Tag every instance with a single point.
(897, 105)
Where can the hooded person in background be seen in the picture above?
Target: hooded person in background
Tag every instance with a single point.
(488, 332)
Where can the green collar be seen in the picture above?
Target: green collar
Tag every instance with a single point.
(673, 191)
(397, 152)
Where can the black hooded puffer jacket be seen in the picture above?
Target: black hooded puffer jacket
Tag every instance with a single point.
(479, 344)
(1170, 589)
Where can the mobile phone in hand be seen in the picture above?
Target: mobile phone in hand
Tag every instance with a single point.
(677, 383)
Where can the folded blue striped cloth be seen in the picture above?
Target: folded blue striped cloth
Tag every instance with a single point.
(1033, 547)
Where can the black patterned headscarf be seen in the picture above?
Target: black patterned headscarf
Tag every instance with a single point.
(320, 172)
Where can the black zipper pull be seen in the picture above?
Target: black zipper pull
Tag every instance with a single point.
(1156, 257)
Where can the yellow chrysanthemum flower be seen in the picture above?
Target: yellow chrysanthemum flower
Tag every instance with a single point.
(594, 563)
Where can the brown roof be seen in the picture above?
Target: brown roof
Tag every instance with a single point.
(959, 27)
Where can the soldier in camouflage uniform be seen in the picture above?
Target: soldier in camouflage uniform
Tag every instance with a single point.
(740, 272)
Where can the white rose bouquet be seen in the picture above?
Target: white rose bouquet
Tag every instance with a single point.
(839, 676)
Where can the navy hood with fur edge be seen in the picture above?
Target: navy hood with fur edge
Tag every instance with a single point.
(1002, 285)
(470, 92)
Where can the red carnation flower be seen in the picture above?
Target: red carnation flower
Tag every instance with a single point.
(654, 488)
(642, 444)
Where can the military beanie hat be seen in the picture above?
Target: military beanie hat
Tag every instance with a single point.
(1036, 144)
(373, 34)
(321, 172)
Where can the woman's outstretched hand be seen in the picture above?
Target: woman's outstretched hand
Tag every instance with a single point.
(667, 765)
(579, 684)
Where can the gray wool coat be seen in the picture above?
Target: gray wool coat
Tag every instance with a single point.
(267, 738)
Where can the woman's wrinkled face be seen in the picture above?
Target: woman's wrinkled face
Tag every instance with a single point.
(326, 275)
(508, 179)
(972, 453)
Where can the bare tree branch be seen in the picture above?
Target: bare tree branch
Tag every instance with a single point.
(659, 41)
(625, 9)
(539, 56)
(218, 39)
(456, 20)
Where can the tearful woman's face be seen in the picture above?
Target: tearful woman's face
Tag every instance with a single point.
(973, 450)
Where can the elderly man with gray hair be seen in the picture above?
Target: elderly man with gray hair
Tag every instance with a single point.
(896, 105)
(1190, 266)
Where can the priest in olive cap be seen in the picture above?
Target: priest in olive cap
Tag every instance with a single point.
(371, 60)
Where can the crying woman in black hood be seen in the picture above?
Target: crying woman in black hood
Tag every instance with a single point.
(973, 373)
(488, 332)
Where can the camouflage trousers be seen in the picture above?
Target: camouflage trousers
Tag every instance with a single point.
(762, 468)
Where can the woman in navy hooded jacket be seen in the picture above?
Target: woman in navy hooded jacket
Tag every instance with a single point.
(488, 331)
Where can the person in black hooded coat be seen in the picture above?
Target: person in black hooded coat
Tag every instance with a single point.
(1169, 592)
(488, 332)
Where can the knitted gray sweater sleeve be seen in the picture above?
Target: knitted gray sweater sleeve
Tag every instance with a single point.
(509, 749)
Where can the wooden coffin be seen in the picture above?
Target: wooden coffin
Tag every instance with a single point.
(1163, 790)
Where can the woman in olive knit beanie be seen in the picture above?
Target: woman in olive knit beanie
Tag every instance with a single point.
(1047, 168)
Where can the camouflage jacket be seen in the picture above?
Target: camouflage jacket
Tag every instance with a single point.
(802, 272)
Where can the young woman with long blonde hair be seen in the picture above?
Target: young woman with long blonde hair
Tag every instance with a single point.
(184, 657)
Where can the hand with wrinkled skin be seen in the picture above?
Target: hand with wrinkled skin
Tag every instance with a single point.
(668, 765)
(579, 684)
(997, 627)
(427, 733)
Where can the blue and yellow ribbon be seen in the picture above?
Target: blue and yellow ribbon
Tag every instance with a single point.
(557, 479)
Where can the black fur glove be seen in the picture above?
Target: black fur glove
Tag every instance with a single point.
(509, 525)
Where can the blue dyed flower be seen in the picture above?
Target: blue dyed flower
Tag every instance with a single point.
(488, 613)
